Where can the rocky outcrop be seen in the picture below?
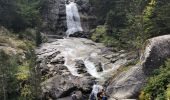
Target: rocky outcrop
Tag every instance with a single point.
(54, 17)
(128, 84)
(88, 19)
(157, 51)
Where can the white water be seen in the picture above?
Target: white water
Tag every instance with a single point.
(91, 68)
(73, 19)
(74, 49)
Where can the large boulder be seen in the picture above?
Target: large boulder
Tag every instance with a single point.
(156, 52)
(61, 86)
(128, 84)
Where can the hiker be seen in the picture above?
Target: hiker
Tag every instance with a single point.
(99, 96)
(104, 97)
(74, 96)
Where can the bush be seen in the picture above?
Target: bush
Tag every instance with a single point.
(157, 18)
(100, 35)
(157, 84)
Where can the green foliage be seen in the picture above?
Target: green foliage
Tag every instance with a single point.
(100, 35)
(23, 73)
(28, 34)
(30, 13)
(115, 19)
(39, 38)
(19, 78)
(109, 19)
(168, 92)
(8, 79)
(158, 84)
(157, 17)
(26, 92)
(123, 23)
(19, 14)
(132, 22)
(99, 31)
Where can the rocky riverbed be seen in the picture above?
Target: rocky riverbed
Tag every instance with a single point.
(73, 64)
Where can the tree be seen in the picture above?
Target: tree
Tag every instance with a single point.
(157, 17)
(3, 74)
(19, 14)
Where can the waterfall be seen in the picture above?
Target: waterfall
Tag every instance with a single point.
(73, 19)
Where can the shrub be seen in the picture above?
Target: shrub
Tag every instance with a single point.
(157, 84)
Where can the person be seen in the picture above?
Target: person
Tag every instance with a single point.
(99, 96)
(104, 97)
(74, 96)
(67, 1)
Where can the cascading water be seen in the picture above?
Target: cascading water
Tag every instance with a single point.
(80, 49)
(73, 18)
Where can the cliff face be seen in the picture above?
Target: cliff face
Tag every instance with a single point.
(88, 19)
(128, 84)
(54, 16)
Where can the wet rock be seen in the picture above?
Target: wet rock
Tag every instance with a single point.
(76, 34)
(99, 67)
(77, 64)
(58, 60)
(79, 95)
(80, 64)
(49, 57)
(80, 67)
(60, 67)
(113, 60)
(62, 86)
(44, 71)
